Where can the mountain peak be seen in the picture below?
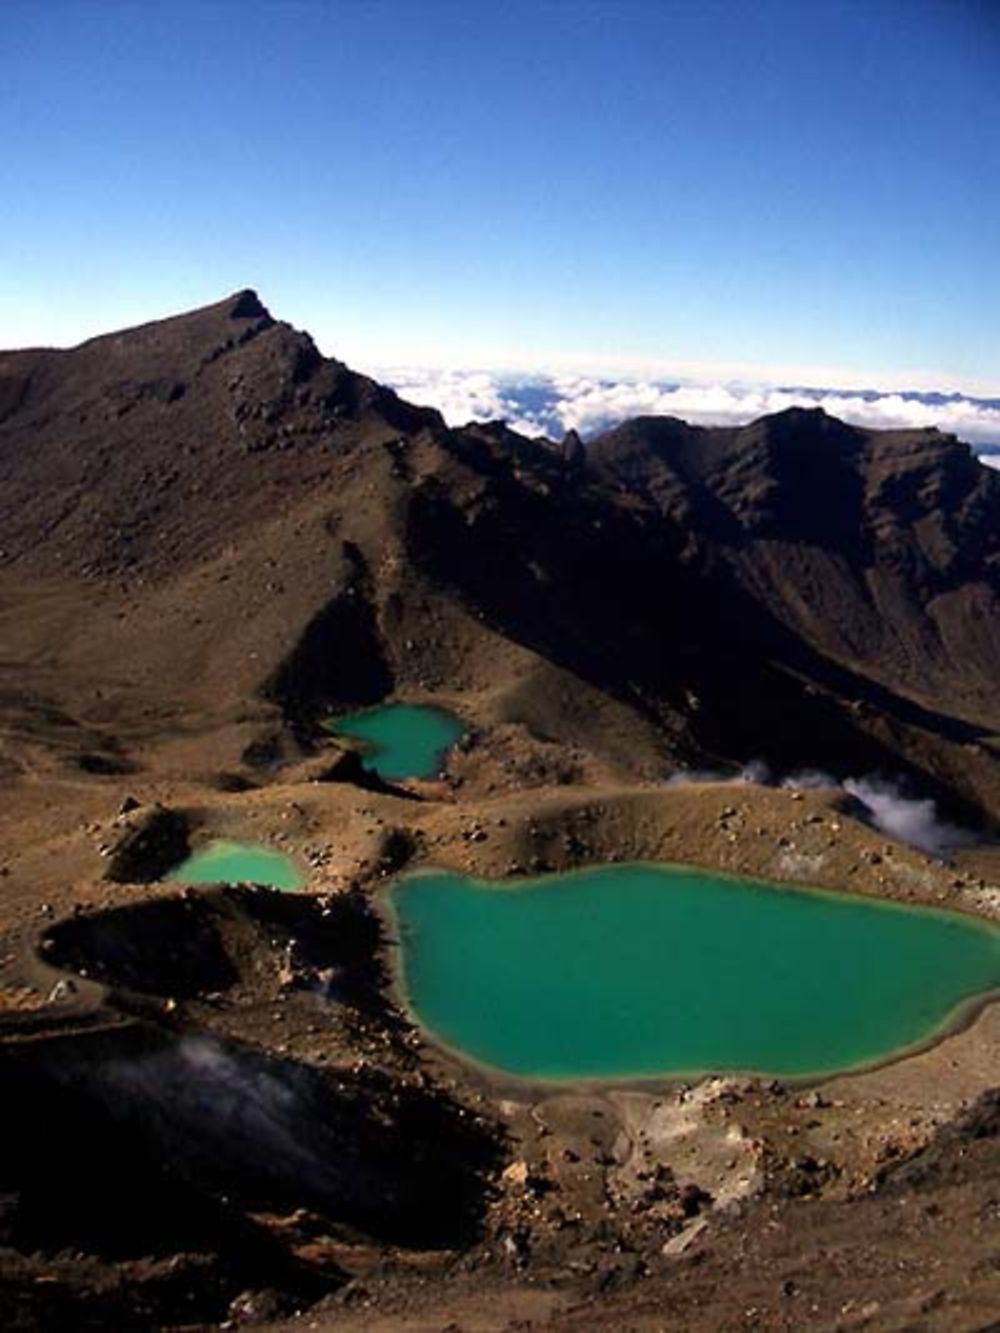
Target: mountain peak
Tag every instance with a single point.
(246, 304)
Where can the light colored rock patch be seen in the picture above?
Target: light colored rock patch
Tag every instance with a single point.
(984, 900)
(684, 1134)
(800, 865)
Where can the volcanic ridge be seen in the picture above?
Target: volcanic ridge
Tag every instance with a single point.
(213, 540)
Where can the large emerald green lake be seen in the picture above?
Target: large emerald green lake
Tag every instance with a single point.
(402, 740)
(224, 862)
(642, 970)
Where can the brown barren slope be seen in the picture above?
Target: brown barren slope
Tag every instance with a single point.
(211, 537)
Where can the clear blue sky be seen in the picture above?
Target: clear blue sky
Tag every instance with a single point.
(788, 184)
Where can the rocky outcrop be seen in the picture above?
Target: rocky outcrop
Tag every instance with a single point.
(153, 842)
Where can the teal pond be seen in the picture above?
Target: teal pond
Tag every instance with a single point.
(633, 971)
(401, 740)
(223, 862)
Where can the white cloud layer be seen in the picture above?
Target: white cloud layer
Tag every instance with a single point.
(552, 404)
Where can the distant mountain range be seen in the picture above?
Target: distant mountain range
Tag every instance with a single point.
(552, 404)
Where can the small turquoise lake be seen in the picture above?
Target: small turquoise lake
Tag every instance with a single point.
(223, 862)
(632, 971)
(401, 740)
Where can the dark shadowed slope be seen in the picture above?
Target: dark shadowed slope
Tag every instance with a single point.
(879, 548)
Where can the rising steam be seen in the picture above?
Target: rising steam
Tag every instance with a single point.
(909, 819)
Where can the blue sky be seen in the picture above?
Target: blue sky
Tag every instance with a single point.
(806, 190)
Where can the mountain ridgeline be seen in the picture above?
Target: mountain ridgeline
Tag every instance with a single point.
(205, 524)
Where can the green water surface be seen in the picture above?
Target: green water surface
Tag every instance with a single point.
(223, 862)
(402, 740)
(640, 970)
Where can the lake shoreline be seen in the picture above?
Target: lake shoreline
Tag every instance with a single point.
(957, 1019)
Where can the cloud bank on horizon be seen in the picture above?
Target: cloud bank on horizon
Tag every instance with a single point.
(550, 405)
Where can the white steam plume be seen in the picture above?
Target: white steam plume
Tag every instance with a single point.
(913, 820)
(909, 820)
